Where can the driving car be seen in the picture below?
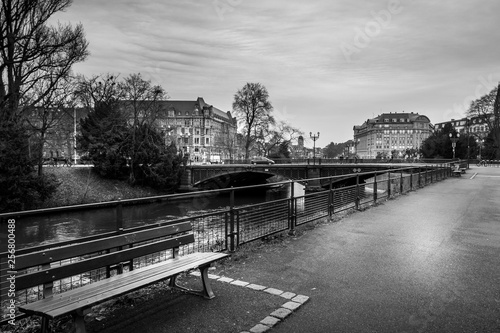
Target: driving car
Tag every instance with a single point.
(261, 160)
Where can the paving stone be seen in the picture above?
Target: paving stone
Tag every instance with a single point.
(213, 276)
(300, 299)
(225, 279)
(288, 295)
(274, 291)
(281, 313)
(260, 328)
(270, 321)
(256, 287)
(291, 305)
(239, 283)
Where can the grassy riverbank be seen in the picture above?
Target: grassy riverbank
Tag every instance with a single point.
(82, 185)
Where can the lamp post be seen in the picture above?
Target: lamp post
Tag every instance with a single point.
(314, 137)
(454, 142)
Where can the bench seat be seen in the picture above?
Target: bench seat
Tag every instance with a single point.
(85, 297)
(109, 254)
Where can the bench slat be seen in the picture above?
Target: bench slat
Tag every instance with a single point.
(75, 250)
(86, 265)
(104, 290)
(116, 281)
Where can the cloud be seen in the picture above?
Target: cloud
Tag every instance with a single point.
(426, 59)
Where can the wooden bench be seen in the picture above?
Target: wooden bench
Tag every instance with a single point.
(457, 170)
(109, 254)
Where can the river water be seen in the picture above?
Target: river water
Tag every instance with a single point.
(57, 227)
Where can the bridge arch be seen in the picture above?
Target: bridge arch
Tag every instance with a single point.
(234, 179)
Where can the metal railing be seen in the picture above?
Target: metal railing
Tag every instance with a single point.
(227, 228)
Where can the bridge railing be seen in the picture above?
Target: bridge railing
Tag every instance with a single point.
(227, 228)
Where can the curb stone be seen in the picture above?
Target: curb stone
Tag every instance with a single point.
(294, 303)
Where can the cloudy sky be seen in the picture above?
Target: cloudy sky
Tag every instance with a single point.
(328, 64)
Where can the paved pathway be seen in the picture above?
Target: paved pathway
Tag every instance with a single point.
(428, 261)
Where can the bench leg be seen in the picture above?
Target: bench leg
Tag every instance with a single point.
(79, 321)
(45, 325)
(207, 291)
(205, 280)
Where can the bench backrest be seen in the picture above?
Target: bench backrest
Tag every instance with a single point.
(56, 263)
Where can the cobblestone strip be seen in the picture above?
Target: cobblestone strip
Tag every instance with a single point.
(294, 302)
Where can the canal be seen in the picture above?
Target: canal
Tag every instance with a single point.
(50, 228)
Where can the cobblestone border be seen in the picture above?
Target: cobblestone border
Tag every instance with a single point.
(294, 302)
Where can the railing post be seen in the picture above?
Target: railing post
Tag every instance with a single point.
(292, 213)
(401, 183)
(389, 185)
(419, 178)
(375, 188)
(330, 200)
(357, 191)
(119, 216)
(411, 179)
(231, 221)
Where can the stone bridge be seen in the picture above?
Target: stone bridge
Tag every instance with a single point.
(217, 176)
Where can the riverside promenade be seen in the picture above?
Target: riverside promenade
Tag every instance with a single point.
(427, 261)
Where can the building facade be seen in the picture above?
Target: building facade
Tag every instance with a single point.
(475, 126)
(203, 131)
(389, 132)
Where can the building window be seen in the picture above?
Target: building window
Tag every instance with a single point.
(196, 141)
(207, 141)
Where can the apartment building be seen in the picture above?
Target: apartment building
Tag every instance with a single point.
(391, 131)
(201, 130)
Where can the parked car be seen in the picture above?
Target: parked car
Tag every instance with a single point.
(261, 160)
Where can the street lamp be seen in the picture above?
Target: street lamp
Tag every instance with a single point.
(454, 142)
(314, 137)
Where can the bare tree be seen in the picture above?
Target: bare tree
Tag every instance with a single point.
(52, 116)
(280, 134)
(487, 108)
(141, 104)
(226, 141)
(251, 105)
(97, 90)
(32, 52)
